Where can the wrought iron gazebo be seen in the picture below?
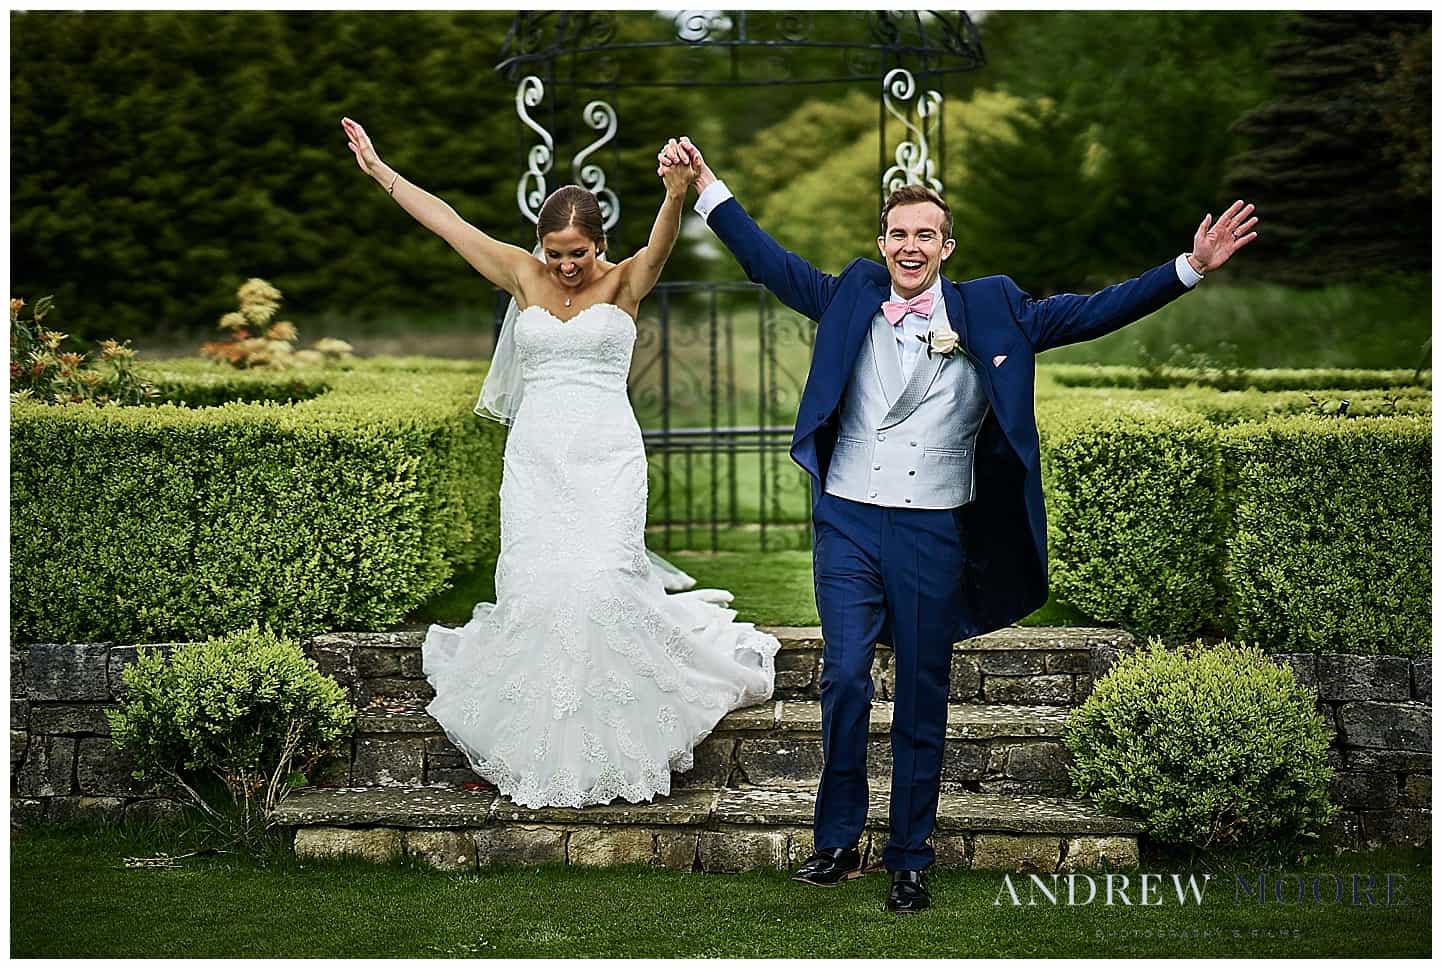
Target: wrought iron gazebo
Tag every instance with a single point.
(557, 61)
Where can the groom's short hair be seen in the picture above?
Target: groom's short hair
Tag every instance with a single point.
(910, 195)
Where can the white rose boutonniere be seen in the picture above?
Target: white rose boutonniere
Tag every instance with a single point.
(942, 341)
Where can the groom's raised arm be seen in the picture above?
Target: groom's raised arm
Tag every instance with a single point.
(796, 282)
(1069, 318)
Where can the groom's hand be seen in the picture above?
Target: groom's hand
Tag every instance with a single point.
(704, 175)
(1214, 244)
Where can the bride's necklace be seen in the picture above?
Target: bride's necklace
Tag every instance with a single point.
(568, 302)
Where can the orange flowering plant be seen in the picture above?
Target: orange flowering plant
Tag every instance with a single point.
(40, 370)
(271, 344)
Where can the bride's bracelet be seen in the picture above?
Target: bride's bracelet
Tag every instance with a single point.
(392, 188)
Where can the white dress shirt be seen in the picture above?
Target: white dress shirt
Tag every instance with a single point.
(914, 325)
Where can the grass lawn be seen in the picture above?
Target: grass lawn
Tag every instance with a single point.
(771, 589)
(70, 895)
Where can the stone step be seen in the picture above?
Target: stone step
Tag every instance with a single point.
(718, 829)
(1034, 639)
(1037, 665)
(990, 748)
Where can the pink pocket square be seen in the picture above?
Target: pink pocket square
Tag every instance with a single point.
(998, 360)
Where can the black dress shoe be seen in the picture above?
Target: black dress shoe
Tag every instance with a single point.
(830, 868)
(908, 892)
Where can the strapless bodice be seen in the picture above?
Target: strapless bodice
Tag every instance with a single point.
(593, 348)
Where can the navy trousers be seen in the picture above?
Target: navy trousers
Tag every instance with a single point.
(887, 574)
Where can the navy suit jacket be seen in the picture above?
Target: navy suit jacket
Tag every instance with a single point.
(1004, 529)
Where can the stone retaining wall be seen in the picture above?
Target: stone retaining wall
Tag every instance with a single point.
(63, 762)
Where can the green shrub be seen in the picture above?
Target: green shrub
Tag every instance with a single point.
(247, 714)
(1230, 377)
(1330, 544)
(1210, 746)
(1252, 404)
(1133, 522)
(344, 510)
(1266, 517)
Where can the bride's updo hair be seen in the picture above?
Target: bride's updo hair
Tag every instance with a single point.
(572, 205)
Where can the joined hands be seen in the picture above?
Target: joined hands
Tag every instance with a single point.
(682, 156)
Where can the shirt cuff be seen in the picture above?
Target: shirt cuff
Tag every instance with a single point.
(1189, 276)
(714, 195)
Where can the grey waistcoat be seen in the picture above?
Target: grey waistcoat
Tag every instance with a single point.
(912, 446)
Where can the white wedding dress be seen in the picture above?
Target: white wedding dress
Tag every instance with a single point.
(585, 681)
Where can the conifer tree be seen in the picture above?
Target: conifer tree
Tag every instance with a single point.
(1323, 167)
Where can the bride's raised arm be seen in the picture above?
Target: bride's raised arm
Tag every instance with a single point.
(644, 268)
(500, 262)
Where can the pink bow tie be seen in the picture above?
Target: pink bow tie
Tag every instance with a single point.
(896, 309)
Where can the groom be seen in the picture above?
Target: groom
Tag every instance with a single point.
(917, 428)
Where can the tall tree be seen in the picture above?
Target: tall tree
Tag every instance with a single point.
(1327, 162)
(1157, 92)
(150, 176)
(827, 209)
(1130, 156)
(1017, 181)
(1407, 113)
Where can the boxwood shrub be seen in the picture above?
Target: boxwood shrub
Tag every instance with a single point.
(1210, 746)
(1320, 378)
(345, 509)
(1132, 509)
(234, 722)
(1330, 543)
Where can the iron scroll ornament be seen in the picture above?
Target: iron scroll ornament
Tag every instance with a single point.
(530, 197)
(602, 117)
(531, 188)
(914, 165)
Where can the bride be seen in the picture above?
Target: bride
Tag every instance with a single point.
(585, 681)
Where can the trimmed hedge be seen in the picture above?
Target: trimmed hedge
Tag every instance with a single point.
(344, 510)
(1234, 406)
(1296, 533)
(1330, 547)
(1094, 375)
(1170, 512)
(1133, 526)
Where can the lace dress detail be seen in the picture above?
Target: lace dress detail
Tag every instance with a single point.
(585, 681)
